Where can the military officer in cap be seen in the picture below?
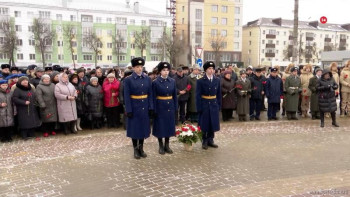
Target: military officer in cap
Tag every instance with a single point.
(165, 105)
(274, 93)
(293, 88)
(5, 70)
(48, 70)
(139, 106)
(208, 103)
(14, 70)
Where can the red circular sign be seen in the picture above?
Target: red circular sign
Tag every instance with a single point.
(323, 19)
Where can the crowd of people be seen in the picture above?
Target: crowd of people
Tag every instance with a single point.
(55, 99)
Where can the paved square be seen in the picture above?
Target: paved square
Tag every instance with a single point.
(279, 158)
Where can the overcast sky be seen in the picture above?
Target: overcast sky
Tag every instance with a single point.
(337, 11)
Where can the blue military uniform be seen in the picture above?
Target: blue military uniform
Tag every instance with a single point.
(208, 103)
(138, 101)
(165, 105)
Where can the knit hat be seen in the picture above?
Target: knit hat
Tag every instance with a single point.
(111, 75)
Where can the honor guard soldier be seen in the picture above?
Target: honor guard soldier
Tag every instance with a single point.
(208, 103)
(139, 106)
(293, 88)
(165, 105)
(5, 70)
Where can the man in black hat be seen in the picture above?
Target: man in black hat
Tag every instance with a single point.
(38, 73)
(182, 87)
(48, 70)
(56, 67)
(255, 101)
(14, 70)
(274, 93)
(208, 103)
(293, 88)
(139, 106)
(185, 70)
(5, 70)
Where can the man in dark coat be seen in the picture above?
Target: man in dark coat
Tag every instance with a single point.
(326, 87)
(139, 106)
(229, 99)
(274, 93)
(38, 73)
(257, 92)
(208, 103)
(182, 87)
(315, 111)
(191, 105)
(293, 88)
(5, 70)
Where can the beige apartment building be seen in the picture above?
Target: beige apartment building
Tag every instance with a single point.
(269, 42)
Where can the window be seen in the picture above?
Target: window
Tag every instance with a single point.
(182, 21)
(237, 10)
(59, 29)
(236, 34)
(183, 8)
(3, 56)
(264, 32)
(121, 58)
(48, 42)
(20, 56)
(98, 20)
(44, 14)
(109, 20)
(18, 14)
(224, 9)
(263, 51)
(75, 57)
(263, 41)
(121, 21)
(47, 56)
(250, 33)
(109, 45)
(237, 22)
(198, 14)
(223, 33)
(121, 44)
(224, 21)
(73, 18)
(59, 43)
(198, 25)
(250, 42)
(18, 28)
(31, 42)
(30, 14)
(59, 17)
(19, 42)
(132, 21)
(99, 32)
(74, 43)
(277, 42)
(154, 58)
(284, 42)
(214, 20)
(132, 46)
(224, 45)
(99, 45)
(236, 45)
(4, 11)
(143, 22)
(285, 33)
(132, 34)
(99, 57)
(109, 32)
(272, 31)
(87, 57)
(109, 57)
(214, 8)
(32, 56)
(122, 32)
(87, 30)
(60, 57)
(214, 32)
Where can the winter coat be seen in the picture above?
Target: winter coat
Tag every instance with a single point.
(164, 122)
(293, 88)
(35, 81)
(80, 98)
(243, 90)
(182, 84)
(28, 117)
(345, 80)
(108, 89)
(305, 79)
(45, 96)
(314, 96)
(6, 113)
(285, 75)
(67, 109)
(228, 92)
(257, 85)
(326, 93)
(94, 101)
(274, 89)
(334, 69)
(192, 100)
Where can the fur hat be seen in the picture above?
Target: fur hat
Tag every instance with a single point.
(208, 64)
(137, 61)
(295, 68)
(163, 65)
(3, 66)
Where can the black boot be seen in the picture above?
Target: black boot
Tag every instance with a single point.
(142, 153)
(161, 146)
(322, 124)
(167, 148)
(283, 111)
(294, 116)
(66, 126)
(334, 123)
(136, 150)
(72, 127)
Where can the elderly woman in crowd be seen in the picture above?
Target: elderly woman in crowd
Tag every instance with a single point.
(94, 102)
(66, 95)
(111, 103)
(6, 112)
(45, 95)
(79, 87)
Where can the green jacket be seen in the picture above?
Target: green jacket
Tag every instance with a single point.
(293, 88)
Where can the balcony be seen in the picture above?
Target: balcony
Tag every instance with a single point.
(269, 54)
(327, 48)
(343, 40)
(270, 46)
(48, 48)
(309, 38)
(308, 55)
(290, 37)
(343, 48)
(270, 36)
(87, 50)
(328, 39)
(308, 47)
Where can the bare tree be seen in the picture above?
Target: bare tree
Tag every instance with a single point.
(217, 43)
(142, 39)
(9, 45)
(119, 44)
(70, 32)
(170, 47)
(94, 43)
(43, 36)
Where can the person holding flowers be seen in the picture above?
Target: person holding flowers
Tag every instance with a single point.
(208, 103)
(165, 105)
(24, 100)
